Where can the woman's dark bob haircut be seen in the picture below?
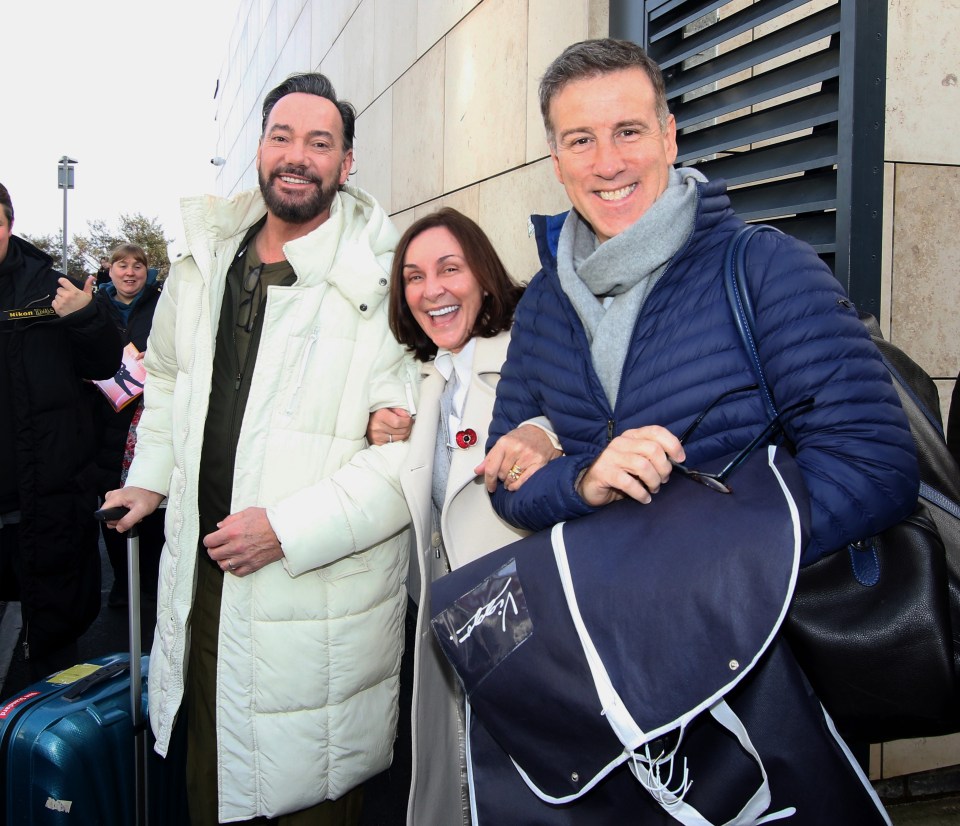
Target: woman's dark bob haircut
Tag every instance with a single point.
(501, 294)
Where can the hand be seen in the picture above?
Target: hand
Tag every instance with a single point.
(69, 299)
(389, 424)
(139, 356)
(634, 464)
(527, 448)
(140, 501)
(244, 542)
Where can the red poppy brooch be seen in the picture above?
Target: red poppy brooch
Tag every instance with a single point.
(466, 438)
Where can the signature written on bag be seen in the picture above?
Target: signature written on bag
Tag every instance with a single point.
(485, 624)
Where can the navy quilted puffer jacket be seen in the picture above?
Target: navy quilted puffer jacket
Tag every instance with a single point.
(854, 446)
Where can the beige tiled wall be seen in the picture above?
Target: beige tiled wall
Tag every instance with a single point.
(418, 131)
(923, 81)
(484, 123)
(926, 266)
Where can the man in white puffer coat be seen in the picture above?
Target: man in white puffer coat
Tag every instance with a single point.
(281, 593)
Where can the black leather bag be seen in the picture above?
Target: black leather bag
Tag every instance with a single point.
(876, 626)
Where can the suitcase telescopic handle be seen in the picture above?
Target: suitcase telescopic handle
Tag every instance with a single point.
(113, 514)
(141, 747)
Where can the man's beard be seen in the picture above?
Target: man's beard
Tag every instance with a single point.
(300, 211)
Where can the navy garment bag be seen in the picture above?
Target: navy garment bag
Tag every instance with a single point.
(627, 667)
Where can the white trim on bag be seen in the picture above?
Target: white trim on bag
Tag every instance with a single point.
(629, 732)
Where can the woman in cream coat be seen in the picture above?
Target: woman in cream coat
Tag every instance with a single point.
(452, 304)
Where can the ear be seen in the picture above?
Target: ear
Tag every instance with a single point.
(670, 140)
(556, 164)
(345, 166)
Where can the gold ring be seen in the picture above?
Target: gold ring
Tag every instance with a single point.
(514, 473)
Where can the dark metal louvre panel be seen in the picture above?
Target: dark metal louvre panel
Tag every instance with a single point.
(758, 90)
(767, 124)
(789, 157)
(776, 44)
(678, 47)
(797, 136)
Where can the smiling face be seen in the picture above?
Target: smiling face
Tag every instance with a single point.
(440, 289)
(128, 275)
(301, 160)
(611, 154)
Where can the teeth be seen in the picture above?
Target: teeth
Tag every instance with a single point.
(287, 179)
(617, 194)
(443, 311)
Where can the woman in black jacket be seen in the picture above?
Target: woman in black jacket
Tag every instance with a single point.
(52, 336)
(130, 297)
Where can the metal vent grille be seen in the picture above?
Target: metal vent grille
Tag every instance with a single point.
(784, 99)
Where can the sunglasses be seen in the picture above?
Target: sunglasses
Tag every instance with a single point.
(718, 481)
(247, 311)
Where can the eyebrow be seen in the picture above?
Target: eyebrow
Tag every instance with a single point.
(314, 133)
(440, 260)
(635, 123)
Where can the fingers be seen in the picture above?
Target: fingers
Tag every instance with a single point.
(515, 457)
(243, 543)
(88, 285)
(139, 501)
(69, 299)
(634, 464)
(494, 466)
(389, 424)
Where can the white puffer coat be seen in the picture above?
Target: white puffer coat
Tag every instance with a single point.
(309, 650)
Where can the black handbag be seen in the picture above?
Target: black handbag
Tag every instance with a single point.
(876, 626)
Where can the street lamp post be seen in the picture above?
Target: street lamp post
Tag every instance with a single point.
(65, 182)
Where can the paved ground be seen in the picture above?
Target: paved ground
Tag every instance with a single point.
(385, 797)
(927, 813)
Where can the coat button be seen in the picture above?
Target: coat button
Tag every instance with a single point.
(436, 540)
(383, 282)
(363, 308)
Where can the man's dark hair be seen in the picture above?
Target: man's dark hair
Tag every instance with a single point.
(312, 83)
(6, 203)
(590, 58)
(501, 294)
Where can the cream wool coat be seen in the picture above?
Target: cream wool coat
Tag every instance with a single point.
(310, 646)
(470, 528)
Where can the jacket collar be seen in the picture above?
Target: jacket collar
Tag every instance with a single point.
(351, 251)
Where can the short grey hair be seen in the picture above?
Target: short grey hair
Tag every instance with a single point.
(590, 58)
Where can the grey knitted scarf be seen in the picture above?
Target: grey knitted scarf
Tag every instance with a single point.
(608, 283)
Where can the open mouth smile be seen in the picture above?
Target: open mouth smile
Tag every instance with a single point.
(443, 311)
(616, 194)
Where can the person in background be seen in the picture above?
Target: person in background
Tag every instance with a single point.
(281, 597)
(130, 297)
(103, 273)
(52, 337)
(451, 305)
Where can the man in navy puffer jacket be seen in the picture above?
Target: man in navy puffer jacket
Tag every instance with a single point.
(626, 335)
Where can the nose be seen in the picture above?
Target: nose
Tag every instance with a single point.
(433, 288)
(608, 158)
(294, 153)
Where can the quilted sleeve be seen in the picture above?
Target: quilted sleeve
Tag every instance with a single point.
(548, 496)
(854, 445)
